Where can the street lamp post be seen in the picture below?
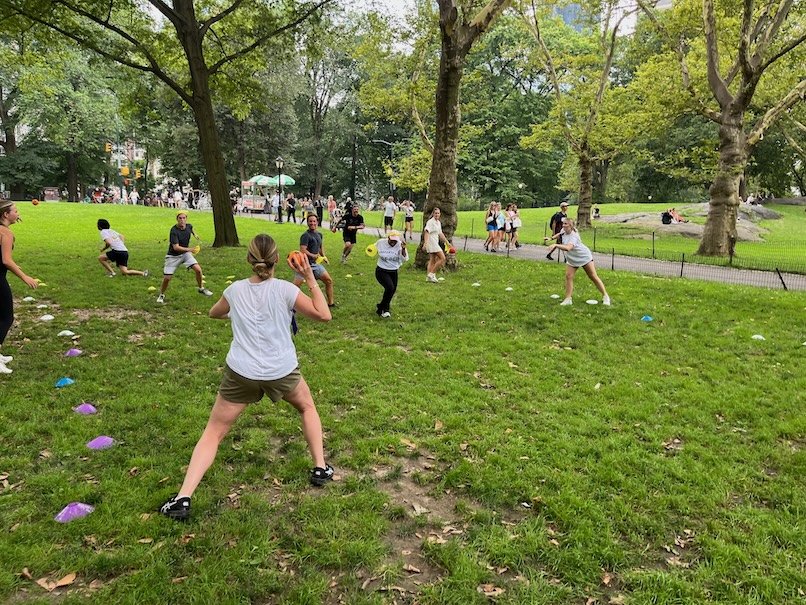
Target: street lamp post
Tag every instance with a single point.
(279, 164)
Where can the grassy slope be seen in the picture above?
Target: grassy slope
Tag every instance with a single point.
(510, 376)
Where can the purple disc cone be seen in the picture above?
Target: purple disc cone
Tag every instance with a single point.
(64, 382)
(101, 443)
(73, 352)
(74, 510)
(85, 408)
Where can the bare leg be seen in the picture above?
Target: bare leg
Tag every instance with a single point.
(569, 280)
(591, 271)
(300, 397)
(328, 281)
(166, 279)
(105, 263)
(126, 271)
(222, 417)
(197, 270)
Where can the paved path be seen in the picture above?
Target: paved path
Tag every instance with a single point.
(727, 275)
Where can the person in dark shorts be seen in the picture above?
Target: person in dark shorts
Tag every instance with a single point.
(351, 223)
(311, 245)
(181, 254)
(556, 226)
(8, 216)
(262, 360)
(114, 251)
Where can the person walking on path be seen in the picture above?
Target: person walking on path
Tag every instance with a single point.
(351, 224)
(117, 253)
(262, 360)
(181, 254)
(408, 222)
(577, 255)
(8, 216)
(392, 254)
(389, 211)
(432, 237)
(556, 225)
(312, 246)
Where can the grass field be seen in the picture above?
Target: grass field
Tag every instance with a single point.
(489, 444)
(783, 245)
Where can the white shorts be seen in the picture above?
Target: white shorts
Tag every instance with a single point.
(172, 263)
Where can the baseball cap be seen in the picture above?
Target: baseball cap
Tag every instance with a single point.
(564, 205)
(394, 235)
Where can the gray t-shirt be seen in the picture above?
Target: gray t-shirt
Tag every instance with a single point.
(313, 241)
(578, 256)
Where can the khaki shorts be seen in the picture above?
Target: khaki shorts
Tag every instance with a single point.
(239, 389)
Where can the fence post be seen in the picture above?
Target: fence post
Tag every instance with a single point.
(472, 222)
(613, 259)
(653, 244)
(781, 277)
(465, 248)
(594, 239)
(682, 264)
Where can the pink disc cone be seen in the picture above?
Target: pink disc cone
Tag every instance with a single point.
(85, 408)
(73, 352)
(101, 443)
(74, 510)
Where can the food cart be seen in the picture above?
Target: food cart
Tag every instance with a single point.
(253, 193)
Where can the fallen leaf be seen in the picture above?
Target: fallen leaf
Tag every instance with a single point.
(46, 584)
(410, 568)
(145, 516)
(490, 590)
(45, 454)
(438, 426)
(617, 600)
(95, 585)
(66, 580)
(597, 386)
(463, 447)
(26, 574)
(145, 540)
(555, 542)
(178, 580)
(409, 444)
(512, 365)
(134, 471)
(606, 579)
(419, 510)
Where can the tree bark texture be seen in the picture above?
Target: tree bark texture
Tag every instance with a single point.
(585, 189)
(719, 234)
(72, 177)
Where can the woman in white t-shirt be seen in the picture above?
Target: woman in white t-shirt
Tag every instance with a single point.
(431, 237)
(262, 360)
(577, 255)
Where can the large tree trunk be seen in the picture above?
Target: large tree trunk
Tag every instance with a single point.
(72, 177)
(585, 190)
(442, 187)
(202, 106)
(719, 235)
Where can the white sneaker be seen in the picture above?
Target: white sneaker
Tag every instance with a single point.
(145, 273)
(431, 277)
(205, 291)
(4, 369)
(566, 302)
(4, 359)
(386, 315)
(161, 299)
(606, 301)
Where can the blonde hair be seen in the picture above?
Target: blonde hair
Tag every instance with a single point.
(570, 221)
(262, 255)
(5, 207)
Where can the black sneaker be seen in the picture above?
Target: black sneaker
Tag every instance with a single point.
(548, 256)
(176, 508)
(320, 476)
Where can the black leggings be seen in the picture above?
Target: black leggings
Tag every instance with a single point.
(388, 279)
(6, 308)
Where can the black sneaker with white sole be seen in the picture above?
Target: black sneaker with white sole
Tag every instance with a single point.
(176, 508)
(320, 476)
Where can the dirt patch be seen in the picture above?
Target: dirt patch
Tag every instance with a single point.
(746, 228)
(113, 313)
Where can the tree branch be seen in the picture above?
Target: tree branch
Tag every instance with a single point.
(169, 13)
(789, 47)
(415, 114)
(794, 96)
(772, 29)
(794, 144)
(207, 24)
(743, 58)
(715, 81)
(261, 39)
(481, 22)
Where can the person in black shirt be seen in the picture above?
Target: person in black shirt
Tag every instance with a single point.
(291, 209)
(181, 254)
(556, 224)
(311, 245)
(350, 224)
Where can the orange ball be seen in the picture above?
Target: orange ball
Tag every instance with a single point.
(295, 259)
(35, 202)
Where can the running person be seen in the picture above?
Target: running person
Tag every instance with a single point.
(117, 251)
(312, 246)
(180, 254)
(432, 236)
(392, 254)
(351, 223)
(262, 360)
(577, 255)
(8, 216)
(408, 222)
(389, 211)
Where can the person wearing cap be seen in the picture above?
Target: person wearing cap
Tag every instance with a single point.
(181, 254)
(392, 254)
(8, 216)
(556, 225)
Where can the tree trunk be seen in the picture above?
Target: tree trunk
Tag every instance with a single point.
(585, 189)
(202, 106)
(601, 168)
(353, 166)
(442, 188)
(719, 235)
(72, 177)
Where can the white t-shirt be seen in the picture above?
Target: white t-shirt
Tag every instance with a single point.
(578, 256)
(262, 348)
(115, 241)
(389, 257)
(389, 209)
(409, 210)
(434, 228)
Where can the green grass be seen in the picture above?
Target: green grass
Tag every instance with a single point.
(783, 245)
(476, 398)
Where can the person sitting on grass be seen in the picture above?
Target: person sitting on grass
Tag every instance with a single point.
(262, 360)
(114, 251)
(577, 255)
